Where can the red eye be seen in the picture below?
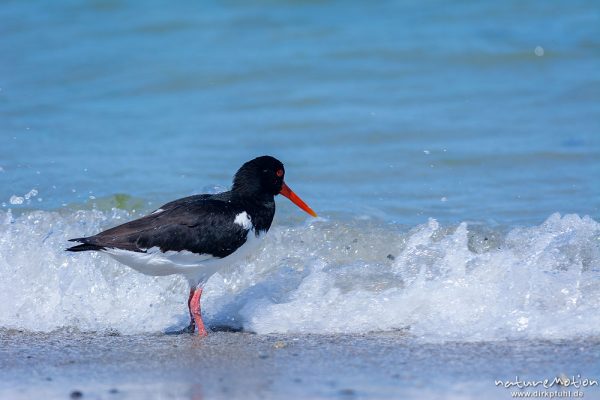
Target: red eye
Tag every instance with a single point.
(280, 173)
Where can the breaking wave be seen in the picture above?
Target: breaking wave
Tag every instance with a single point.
(466, 282)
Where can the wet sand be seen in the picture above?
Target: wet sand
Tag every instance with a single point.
(242, 365)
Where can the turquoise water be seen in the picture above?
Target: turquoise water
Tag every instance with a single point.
(442, 146)
(395, 110)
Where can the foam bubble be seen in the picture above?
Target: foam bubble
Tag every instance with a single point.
(15, 200)
(463, 282)
(45, 288)
(539, 51)
(30, 194)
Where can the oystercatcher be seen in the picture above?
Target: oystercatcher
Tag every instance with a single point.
(195, 236)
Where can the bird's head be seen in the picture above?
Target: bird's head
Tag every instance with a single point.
(265, 176)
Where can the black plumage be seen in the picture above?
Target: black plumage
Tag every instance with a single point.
(201, 224)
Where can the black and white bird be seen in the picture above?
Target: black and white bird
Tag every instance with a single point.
(196, 236)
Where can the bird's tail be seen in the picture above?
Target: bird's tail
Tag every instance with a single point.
(85, 246)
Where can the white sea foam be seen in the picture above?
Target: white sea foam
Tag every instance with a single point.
(464, 282)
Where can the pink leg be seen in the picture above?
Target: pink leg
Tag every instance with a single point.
(192, 327)
(195, 311)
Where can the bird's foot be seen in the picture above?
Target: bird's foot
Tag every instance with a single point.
(191, 328)
(202, 332)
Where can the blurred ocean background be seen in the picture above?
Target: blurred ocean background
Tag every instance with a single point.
(401, 110)
(451, 150)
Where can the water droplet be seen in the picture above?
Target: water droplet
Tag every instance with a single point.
(14, 199)
(539, 51)
(31, 193)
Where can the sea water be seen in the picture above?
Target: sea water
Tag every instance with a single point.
(397, 110)
(435, 142)
(452, 152)
(437, 282)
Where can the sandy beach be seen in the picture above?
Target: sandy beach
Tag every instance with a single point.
(229, 365)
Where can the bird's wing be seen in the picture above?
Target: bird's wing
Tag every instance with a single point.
(199, 224)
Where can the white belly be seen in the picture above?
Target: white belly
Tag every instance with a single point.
(197, 268)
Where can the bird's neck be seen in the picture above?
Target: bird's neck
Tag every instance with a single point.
(261, 209)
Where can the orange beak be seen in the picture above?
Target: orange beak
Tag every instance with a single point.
(287, 192)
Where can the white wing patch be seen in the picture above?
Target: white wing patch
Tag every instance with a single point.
(243, 220)
(158, 211)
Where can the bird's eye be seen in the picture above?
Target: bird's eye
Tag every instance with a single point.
(280, 173)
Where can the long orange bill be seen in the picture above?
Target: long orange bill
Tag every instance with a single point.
(287, 192)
